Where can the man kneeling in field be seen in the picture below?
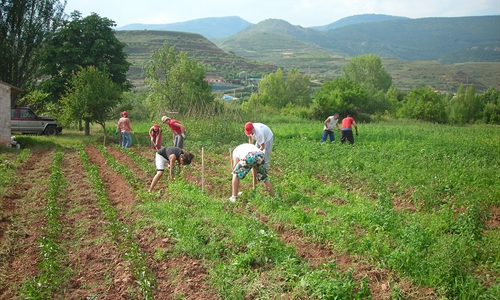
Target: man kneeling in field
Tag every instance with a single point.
(248, 157)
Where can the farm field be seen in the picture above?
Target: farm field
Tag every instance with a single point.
(412, 211)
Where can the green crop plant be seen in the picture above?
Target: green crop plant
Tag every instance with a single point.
(52, 274)
(121, 232)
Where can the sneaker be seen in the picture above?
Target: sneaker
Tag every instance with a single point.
(232, 199)
(239, 193)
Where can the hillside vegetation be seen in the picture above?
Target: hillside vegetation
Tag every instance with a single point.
(407, 39)
(260, 58)
(141, 43)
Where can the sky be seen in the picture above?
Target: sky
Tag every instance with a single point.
(306, 13)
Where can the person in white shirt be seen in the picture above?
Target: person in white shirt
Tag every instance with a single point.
(263, 137)
(330, 123)
(248, 157)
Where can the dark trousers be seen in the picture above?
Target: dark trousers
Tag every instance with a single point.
(347, 135)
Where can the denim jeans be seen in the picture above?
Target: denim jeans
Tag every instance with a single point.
(126, 139)
(328, 133)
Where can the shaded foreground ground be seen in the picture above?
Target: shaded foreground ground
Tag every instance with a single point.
(98, 270)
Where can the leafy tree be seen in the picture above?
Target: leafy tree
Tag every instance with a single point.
(340, 95)
(367, 69)
(177, 82)
(298, 89)
(84, 42)
(423, 104)
(24, 27)
(491, 100)
(466, 106)
(278, 92)
(92, 97)
(394, 96)
(272, 89)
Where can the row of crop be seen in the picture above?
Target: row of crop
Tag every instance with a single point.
(121, 233)
(439, 248)
(238, 250)
(346, 196)
(52, 273)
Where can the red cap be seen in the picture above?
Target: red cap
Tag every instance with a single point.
(125, 113)
(248, 128)
(155, 126)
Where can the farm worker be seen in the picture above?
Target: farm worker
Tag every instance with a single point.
(119, 134)
(263, 137)
(248, 157)
(346, 130)
(330, 122)
(168, 156)
(125, 129)
(155, 134)
(178, 131)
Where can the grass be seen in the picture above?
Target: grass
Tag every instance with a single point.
(416, 199)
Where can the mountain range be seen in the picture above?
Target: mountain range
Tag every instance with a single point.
(441, 52)
(448, 40)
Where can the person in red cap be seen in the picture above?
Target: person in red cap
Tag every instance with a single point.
(156, 135)
(125, 129)
(263, 137)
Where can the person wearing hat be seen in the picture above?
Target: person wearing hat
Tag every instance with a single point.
(178, 131)
(248, 157)
(263, 137)
(155, 135)
(124, 128)
(167, 157)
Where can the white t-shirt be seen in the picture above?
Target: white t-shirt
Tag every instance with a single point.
(262, 133)
(242, 150)
(331, 123)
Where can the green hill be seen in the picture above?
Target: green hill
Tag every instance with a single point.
(264, 50)
(407, 39)
(140, 44)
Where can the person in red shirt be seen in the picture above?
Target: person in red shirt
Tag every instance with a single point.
(125, 129)
(346, 129)
(156, 135)
(178, 131)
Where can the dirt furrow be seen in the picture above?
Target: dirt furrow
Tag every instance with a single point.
(23, 209)
(176, 277)
(98, 271)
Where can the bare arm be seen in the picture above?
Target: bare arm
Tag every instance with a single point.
(326, 122)
(172, 159)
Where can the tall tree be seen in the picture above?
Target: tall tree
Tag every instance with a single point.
(91, 97)
(24, 27)
(177, 82)
(84, 42)
(298, 89)
(272, 89)
(368, 69)
(339, 95)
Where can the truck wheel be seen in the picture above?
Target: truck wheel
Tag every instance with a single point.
(51, 130)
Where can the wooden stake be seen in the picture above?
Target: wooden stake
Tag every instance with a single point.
(202, 170)
(104, 142)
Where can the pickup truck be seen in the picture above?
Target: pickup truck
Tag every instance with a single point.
(24, 120)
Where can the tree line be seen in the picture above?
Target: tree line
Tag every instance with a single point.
(365, 90)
